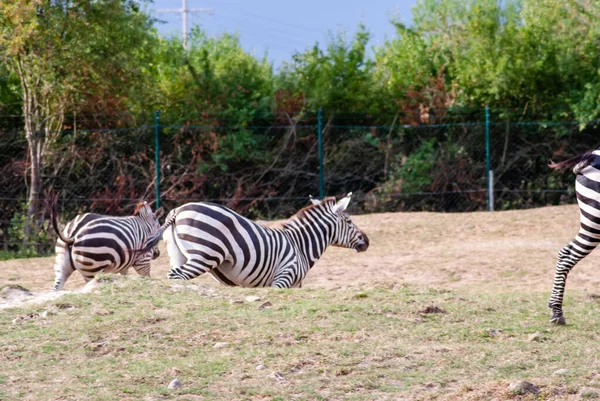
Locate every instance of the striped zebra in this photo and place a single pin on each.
(238, 252)
(94, 243)
(587, 187)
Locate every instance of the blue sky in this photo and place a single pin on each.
(281, 27)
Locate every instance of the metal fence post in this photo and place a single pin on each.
(156, 156)
(321, 170)
(488, 171)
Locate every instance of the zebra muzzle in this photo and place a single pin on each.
(363, 244)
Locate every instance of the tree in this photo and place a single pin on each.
(215, 80)
(337, 79)
(63, 52)
(533, 54)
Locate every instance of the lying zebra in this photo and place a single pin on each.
(238, 252)
(93, 243)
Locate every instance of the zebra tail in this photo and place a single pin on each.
(54, 219)
(154, 238)
(577, 162)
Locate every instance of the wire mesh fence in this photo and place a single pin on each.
(267, 171)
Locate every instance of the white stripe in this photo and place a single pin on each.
(589, 234)
(589, 223)
(589, 209)
(591, 173)
(586, 242)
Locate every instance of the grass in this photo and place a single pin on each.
(442, 306)
(21, 254)
(379, 342)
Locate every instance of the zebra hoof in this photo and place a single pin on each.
(558, 320)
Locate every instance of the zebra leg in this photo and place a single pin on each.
(176, 257)
(63, 267)
(193, 267)
(581, 246)
(186, 262)
(287, 277)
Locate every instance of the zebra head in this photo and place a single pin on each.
(346, 234)
(144, 211)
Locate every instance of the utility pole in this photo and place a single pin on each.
(184, 11)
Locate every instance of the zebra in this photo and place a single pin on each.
(587, 187)
(94, 243)
(207, 237)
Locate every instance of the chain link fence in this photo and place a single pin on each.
(268, 171)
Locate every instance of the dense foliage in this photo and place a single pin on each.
(404, 117)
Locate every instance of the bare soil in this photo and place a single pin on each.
(500, 251)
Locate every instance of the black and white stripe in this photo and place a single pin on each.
(238, 252)
(587, 187)
(93, 243)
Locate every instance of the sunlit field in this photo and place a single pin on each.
(441, 306)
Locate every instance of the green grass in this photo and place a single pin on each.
(21, 254)
(383, 342)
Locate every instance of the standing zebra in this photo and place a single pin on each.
(93, 243)
(587, 186)
(238, 252)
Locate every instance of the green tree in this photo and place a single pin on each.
(64, 52)
(338, 78)
(215, 80)
(534, 54)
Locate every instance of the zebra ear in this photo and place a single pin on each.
(313, 200)
(342, 203)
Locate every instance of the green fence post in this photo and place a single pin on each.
(488, 170)
(156, 156)
(321, 171)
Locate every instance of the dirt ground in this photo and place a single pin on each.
(500, 252)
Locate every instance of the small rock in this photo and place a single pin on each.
(534, 337)
(252, 298)
(221, 345)
(23, 318)
(175, 384)
(277, 376)
(522, 388)
(560, 372)
(265, 305)
(432, 309)
(493, 332)
(260, 367)
(236, 301)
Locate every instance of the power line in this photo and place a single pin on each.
(184, 11)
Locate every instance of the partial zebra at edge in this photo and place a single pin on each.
(587, 187)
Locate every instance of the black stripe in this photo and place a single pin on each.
(221, 277)
(589, 229)
(210, 230)
(583, 246)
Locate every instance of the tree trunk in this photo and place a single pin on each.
(33, 199)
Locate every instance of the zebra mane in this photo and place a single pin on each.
(302, 212)
(138, 208)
